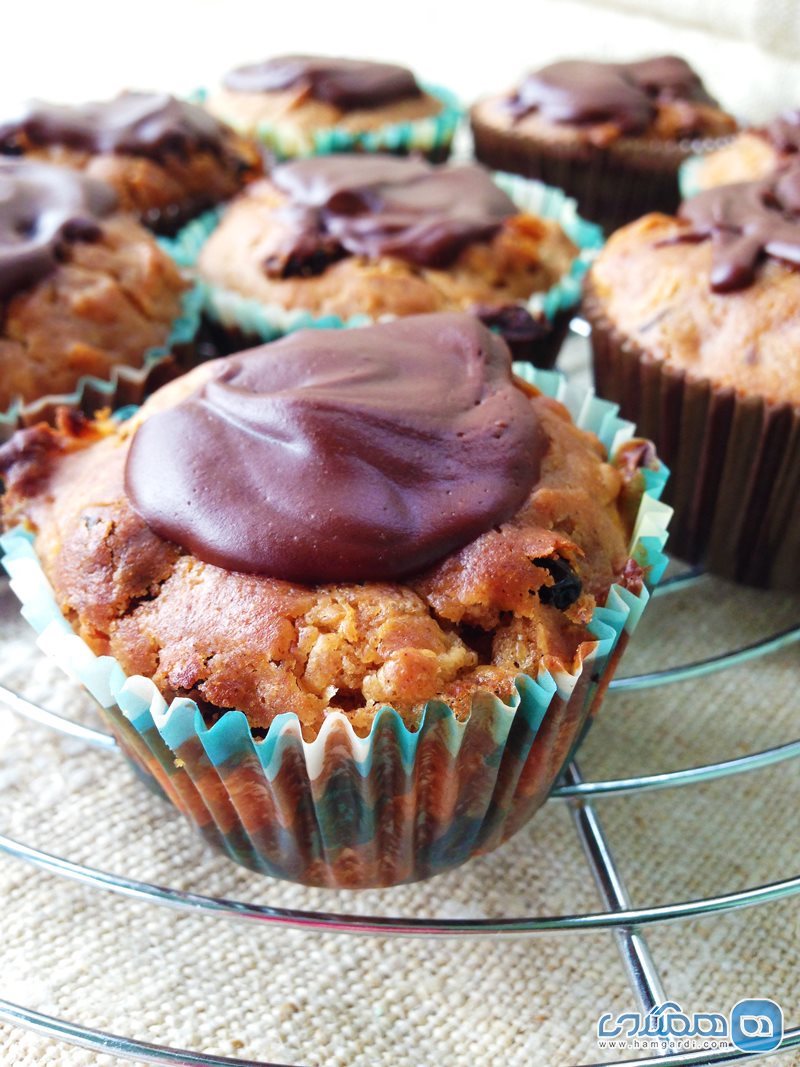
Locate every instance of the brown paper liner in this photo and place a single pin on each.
(216, 339)
(735, 460)
(613, 185)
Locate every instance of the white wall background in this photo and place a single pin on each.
(748, 50)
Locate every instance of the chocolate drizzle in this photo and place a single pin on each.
(585, 92)
(345, 83)
(342, 455)
(44, 208)
(375, 205)
(783, 133)
(138, 124)
(746, 222)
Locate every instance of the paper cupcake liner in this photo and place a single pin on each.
(244, 317)
(431, 137)
(126, 385)
(613, 185)
(735, 460)
(689, 177)
(395, 806)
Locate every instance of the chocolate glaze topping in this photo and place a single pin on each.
(345, 83)
(585, 92)
(746, 222)
(342, 455)
(783, 133)
(375, 205)
(43, 209)
(139, 124)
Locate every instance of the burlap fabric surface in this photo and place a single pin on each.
(238, 989)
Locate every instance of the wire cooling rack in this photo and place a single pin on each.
(625, 921)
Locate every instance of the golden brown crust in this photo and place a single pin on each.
(296, 114)
(473, 621)
(105, 305)
(748, 158)
(659, 295)
(527, 255)
(163, 193)
(666, 129)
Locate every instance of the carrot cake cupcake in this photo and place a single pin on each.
(301, 105)
(84, 290)
(696, 333)
(613, 135)
(167, 159)
(365, 237)
(303, 560)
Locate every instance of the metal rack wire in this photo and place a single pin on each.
(624, 920)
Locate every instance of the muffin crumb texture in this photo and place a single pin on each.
(105, 305)
(655, 288)
(525, 256)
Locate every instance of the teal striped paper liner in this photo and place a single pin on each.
(268, 322)
(397, 805)
(425, 135)
(688, 176)
(184, 330)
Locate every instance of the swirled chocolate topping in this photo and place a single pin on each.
(783, 133)
(746, 222)
(44, 208)
(345, 83)
(585, 92)
(342, 455)
(139, 124)
(375, 205)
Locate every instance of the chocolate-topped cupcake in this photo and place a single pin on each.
(386, 552)
(753, 154)
(365, 237)
(696, 333)
(87, 297)
(613, 135)
(167, 159)
(301, 105)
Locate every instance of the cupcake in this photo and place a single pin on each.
(91, 306)
(344, 240)
(696, 334)
(410, 573)
(613, 135)
(753, 154)
(167, 159)
(306, 105)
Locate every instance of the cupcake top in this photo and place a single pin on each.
(580, 92)
(44, 209)
(388, 516)
(83, 287)
(716, 290)
(134, 123)
(357, 457)
(166, 158)
(753, 154)
(660, 97)
(347, 84)
(379, 235)
(287, 100)
(745, 223)
(381, 206)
